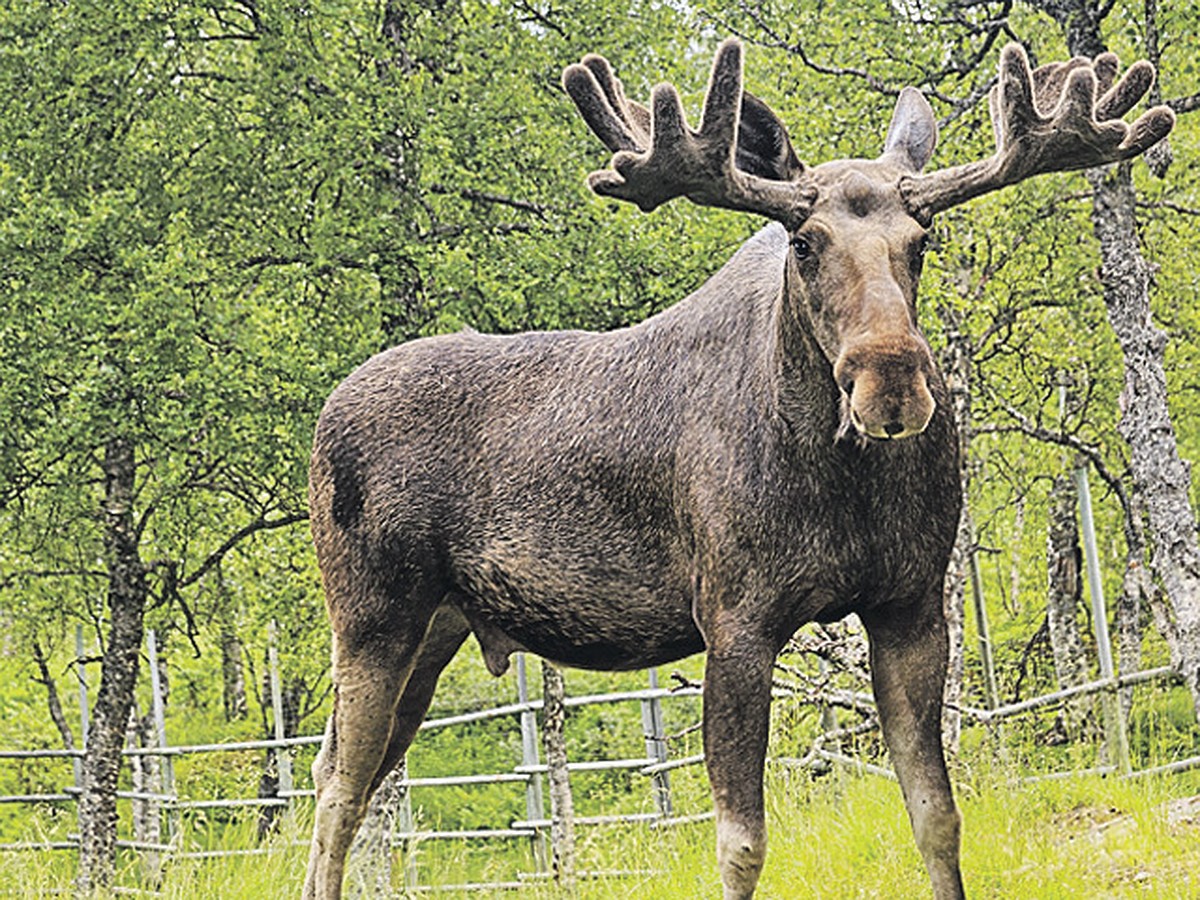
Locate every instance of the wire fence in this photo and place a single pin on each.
(527, 773)
(169, 807)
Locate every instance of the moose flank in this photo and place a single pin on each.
(776, 448)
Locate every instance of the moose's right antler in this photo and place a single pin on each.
(1048, 120)
(657, 157)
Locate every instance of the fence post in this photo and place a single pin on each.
(656, 748)
(562, 806)
(166, 763)
(829, 720)
(535, 808)
(406, 825)
(1115, 736)
(283, 756)
(981, 624)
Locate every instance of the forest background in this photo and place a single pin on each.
(211, 212)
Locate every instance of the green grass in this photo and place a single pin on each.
(842, 836)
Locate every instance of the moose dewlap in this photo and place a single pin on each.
(776, 448)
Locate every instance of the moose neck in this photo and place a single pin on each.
(805, 395)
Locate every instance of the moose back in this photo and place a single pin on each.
(776, 448)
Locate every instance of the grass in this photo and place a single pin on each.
(843, 836)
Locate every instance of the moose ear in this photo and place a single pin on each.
(763, 146)
(913, 133)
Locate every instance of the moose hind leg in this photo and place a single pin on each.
(737, 700)
(369, 678)
(908, 670)
(446, 634)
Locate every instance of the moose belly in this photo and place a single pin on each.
(599, 615)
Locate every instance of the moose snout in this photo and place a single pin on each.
(885, 388)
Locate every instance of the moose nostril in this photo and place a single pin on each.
(893, 428)
(847, 386)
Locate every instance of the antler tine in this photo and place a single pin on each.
(1049, 120)
(620, 123)
(659, 157)
(600, 100)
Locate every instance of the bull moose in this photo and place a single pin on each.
(776, 448)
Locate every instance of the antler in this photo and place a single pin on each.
(1049, 120)
(657, 157)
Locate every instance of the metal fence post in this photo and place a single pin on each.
(656, 748)
(981, 625)
(283, 756)
(535, 808)
(1115, 736)
(406, 825)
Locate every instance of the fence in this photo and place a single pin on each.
(654, 766)
(527, 773)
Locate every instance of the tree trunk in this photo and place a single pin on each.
(956, 362)
(1161, 479)
(127, 592)
(1138, 592)
(562, 806)
(1014, 570)
(1063, 598)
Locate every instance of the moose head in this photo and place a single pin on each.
(858, 227)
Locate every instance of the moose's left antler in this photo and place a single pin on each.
(1062, 116)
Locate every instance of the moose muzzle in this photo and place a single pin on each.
(885, 387)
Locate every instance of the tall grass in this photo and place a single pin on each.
(842, 836)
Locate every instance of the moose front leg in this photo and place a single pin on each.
(908, 669)
(737, 700)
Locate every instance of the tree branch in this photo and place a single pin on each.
(1025, 425)
(260, 524)
(1183, 105)
(477, 196)
(46, 680)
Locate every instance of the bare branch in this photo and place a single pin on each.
(1169, 205)
(476, 196)
(1025, 425)
(1184, 104)
(46, 680)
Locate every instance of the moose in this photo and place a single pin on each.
(775, 449)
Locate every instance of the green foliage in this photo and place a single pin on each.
(210, 214)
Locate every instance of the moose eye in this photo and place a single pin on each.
(801, 247)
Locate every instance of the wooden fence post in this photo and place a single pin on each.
(562, 807)
(283, 755)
